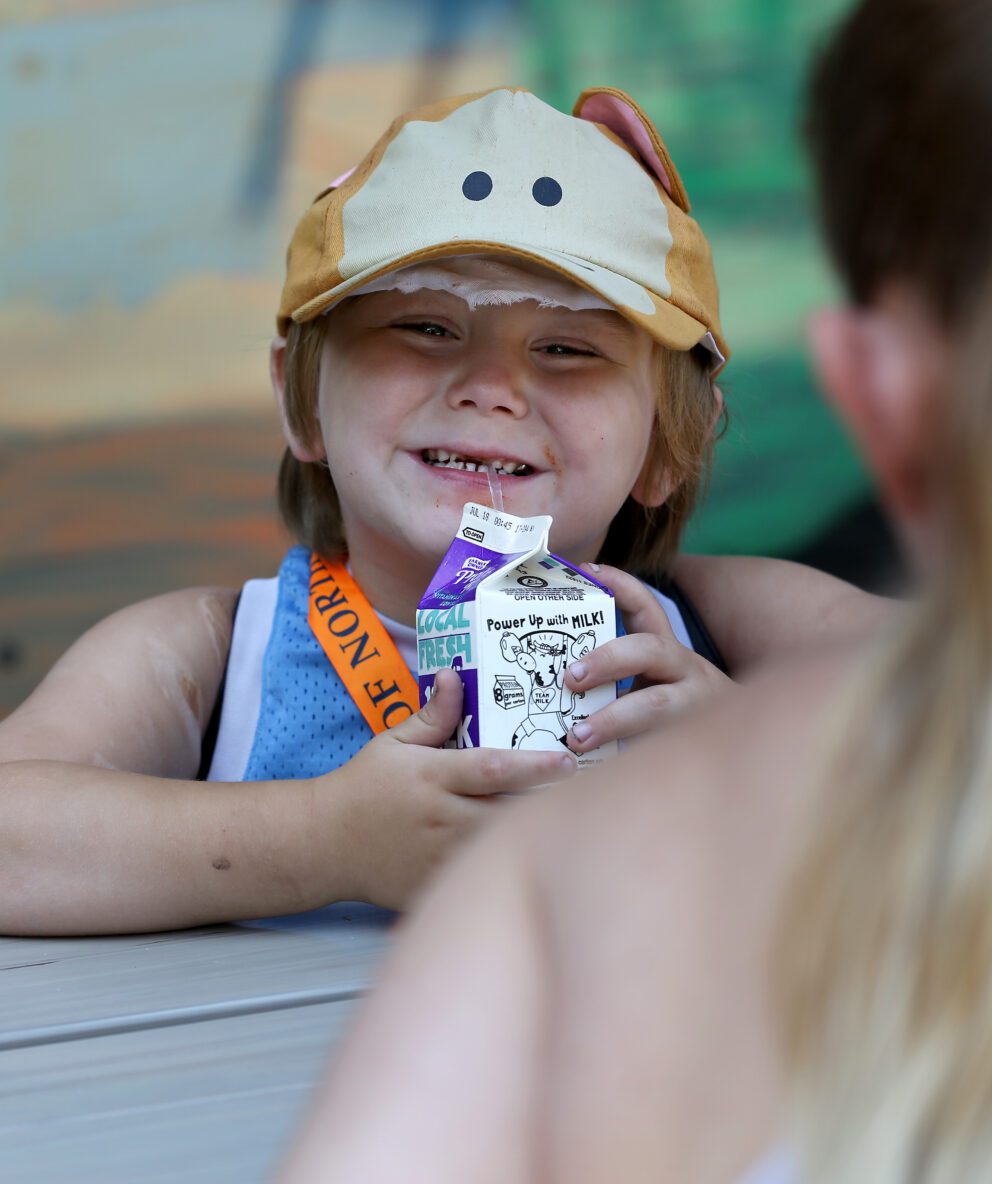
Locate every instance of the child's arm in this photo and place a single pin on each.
(102, 828)
(757, 609)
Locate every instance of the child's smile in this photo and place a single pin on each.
(420, 396)
(441, 458)
(469, 473)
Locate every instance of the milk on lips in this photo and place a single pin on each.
(510, 617)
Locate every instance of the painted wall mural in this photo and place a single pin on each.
(154, 158)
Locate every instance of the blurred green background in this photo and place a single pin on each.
(723, 79)
(155, 157)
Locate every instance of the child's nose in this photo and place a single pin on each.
(492, 388)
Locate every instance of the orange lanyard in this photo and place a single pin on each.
(359, 648)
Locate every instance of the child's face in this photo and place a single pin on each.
(413, 384)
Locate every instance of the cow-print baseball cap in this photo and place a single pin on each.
(593, 196)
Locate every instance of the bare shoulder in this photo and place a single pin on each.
(657, 883)
(758, 609)
(734, 775)
(134, 692)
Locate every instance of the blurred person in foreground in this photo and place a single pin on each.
(761, 947)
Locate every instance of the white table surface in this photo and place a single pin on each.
(174, 1056)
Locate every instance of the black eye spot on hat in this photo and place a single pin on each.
(546, 191)
(477, 186)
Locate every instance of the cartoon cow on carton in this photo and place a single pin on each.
(544, 655)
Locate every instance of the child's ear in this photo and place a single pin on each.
(717, 406)
(877, 367)
(654, 485)
(301, 449)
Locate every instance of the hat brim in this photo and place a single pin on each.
(660, 318)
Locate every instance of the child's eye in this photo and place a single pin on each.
(558, 349)
(426, 328)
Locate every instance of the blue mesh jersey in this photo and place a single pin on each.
(283, 713)
(308, 723)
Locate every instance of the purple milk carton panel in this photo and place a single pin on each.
(510, 617)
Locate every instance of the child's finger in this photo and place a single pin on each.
(643, 710)
(645, 656)
(481, 772)
(631, 715)
(437, 720)
(642, 613)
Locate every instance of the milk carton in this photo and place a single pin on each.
(509, 617)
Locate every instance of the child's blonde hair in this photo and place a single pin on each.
(885, 976)
(640, 539)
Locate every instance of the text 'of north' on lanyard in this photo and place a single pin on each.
(359, 648)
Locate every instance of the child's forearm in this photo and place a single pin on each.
(86, 850)
(760, 610)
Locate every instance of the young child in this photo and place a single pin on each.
(497, 286)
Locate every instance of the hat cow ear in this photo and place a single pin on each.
(335, 184)
(619, 113)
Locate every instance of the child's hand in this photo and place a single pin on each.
(667, 676)
(409, 802)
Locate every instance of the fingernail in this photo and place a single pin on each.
(593, 566)
(577, 670)
(568, 762)
(581, 731)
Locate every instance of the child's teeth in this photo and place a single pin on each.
(449, 460)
